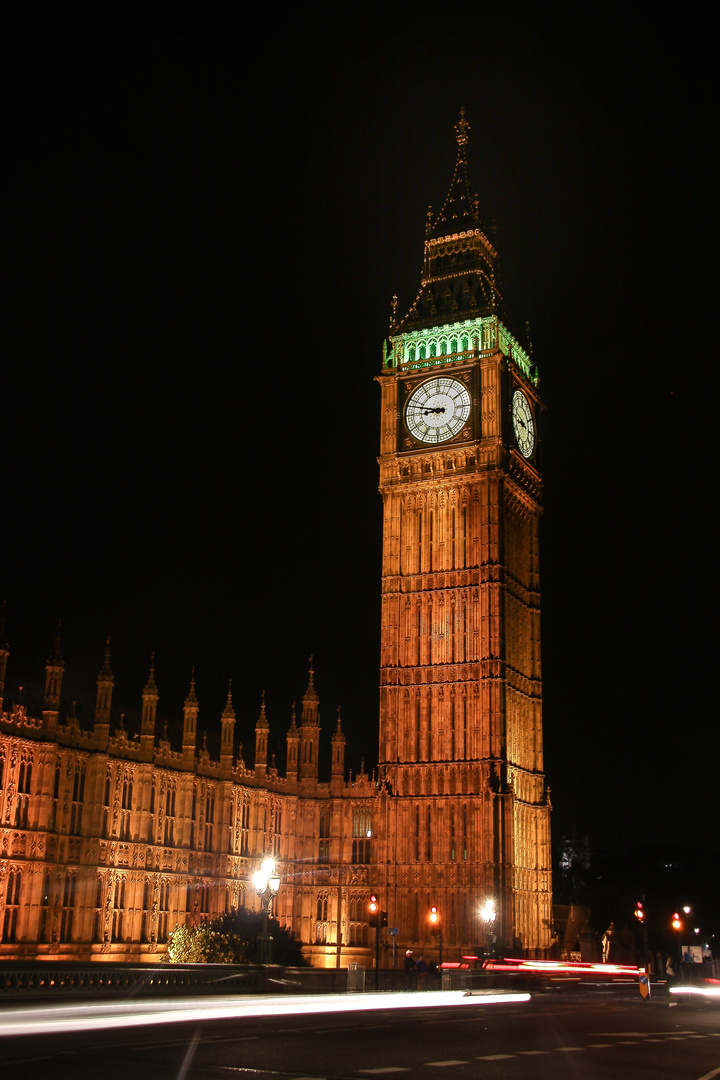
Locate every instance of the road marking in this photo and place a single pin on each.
(386, 1069)
(442, 1064)
(528, 1052)
(599, 1046)
(495, 1057)
(627, 1042)
(568, 1049)
(713, 1072)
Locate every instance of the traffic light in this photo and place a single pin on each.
(676, 921)
(383, 918)
(373, 911)
(639, 912)
(434, 918)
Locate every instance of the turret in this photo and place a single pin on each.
(103, 701)
(54, 670)
(338, 757)
(261, 741)
(293, 748)
(228, 733)
(4, 653)
(310, 729)
(149, 714)
(190, 715)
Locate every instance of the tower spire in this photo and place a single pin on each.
(459, 279)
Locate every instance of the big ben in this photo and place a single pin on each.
(465, 820)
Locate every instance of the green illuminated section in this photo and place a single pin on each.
(454, 342)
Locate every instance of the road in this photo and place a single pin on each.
(591, 1033)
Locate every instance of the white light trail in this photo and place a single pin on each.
(65, 1018)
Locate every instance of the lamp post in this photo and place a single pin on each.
(488, 915)
(267, 883)
(436, 928)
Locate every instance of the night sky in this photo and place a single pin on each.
(208, 221)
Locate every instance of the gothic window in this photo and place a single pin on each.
(23, 793)
(432, 349)
(245, 826)
(163, 910)
(453, 345)
(2, 769)
(78, 797)
(44, 906)
(98, 928)
(277, 831)
(192, 818)
(209, 821)
(411, 354)
(421, 352)
(118, 903)
(204, 896)
(146, 913)
(68, 905)
(362, 832)
(464, 344)
(322, 909)
(429, 834)
(168, 838)
(417, 834)
(324, 853)
(452, 833)
(152, 799)
(12, 905)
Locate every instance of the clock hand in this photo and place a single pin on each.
(440, 409)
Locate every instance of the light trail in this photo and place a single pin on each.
(67, 1018)
(702, 991)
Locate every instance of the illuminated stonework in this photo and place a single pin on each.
(466, 814)
(109, 838)
(111, 832)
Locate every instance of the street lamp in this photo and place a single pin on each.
(436, 928)
(488, 914)
(267, 883)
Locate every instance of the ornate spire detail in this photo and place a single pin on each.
(262, 719)
(56, 659)
(459, 278)
(229, 712)
(106, 674)
(293, 729)
(151, 688)
(461, 129)
(192, 697)
(311, 693)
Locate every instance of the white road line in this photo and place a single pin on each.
(386, 1069)
(568, 1049)
(529, 1052)
(600, 1046)
(495, 1057)
(712, 1073)
(442, 1064)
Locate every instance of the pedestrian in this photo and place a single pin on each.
(409, 969)
(422, 969)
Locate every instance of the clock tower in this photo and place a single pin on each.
(466, 815)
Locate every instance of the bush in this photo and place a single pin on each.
(233, 939)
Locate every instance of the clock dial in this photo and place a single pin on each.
(523, 424)
(437, 409)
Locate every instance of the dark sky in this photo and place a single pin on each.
(209, 218)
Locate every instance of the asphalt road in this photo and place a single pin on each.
(598, 1034)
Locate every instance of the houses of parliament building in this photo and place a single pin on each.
(109, 838)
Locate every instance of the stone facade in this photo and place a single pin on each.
(108, 839)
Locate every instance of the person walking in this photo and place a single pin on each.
(422, 969)
(409, 969)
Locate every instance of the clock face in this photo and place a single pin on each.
(437, 409)
(523, 424)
